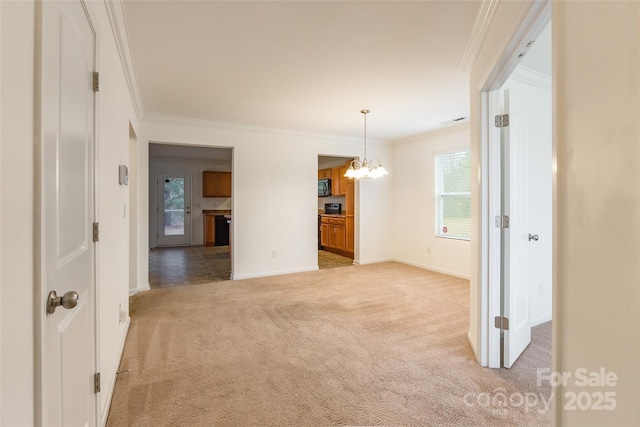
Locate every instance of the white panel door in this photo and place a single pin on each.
(174, 209)
(67, 126)
(515, 247)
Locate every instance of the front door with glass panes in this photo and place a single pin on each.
(174, 209)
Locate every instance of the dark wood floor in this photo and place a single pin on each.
(192, 265)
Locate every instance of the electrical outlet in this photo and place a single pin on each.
(429, 250)
(540, 288)
(274, 254)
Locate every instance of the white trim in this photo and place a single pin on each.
(532, 77)
(430, 268)
(210, 124)
(112, 385)
(274, 273)
(532, 22)
(540, 321)
(373, 261)
(118, 21)
(133, 292)
(478, 33)
(472, 344)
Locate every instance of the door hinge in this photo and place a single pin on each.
(96, 383)
(96, 82)
(502, 120)
(502, 221)
(501, 323)
(96, 231)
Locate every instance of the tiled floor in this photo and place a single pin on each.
(169, 267)
(191, 265)
(331, 260)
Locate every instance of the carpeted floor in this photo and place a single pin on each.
(382, 344)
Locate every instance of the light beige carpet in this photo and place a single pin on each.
(383, 344)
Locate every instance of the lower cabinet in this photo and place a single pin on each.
(334, 234)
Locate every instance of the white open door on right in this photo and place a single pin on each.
(515, 236)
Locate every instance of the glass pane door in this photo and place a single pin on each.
(174, 209)
(174, 206)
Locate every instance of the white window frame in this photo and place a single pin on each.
(439, 195)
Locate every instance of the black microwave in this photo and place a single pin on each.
(324, 187)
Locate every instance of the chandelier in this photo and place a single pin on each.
(365, 168)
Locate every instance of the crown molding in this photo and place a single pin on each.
(478, 33)
(532, 77)
(213, 125)
(118, 21)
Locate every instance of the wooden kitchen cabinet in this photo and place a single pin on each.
(209, 229)
(335, 181)
(324, 174)
(350, 216)
(324, 234)
(333, 234)
(216, 184)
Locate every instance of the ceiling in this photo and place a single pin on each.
(309, 66)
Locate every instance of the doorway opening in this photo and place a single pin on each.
(518, 108)
(190, 200)
(336, 213)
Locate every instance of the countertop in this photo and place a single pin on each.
(340, 215)
(216, 212)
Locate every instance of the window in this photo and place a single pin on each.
(453, 195)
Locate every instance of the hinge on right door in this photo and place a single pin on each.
(96, 82)
(501, 323)
(502, 221)
(96, 383)
(502, 120)
(96, 231)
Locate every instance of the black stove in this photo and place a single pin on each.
(333, 208)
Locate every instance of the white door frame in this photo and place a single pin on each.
(533, 23)
(40, 316)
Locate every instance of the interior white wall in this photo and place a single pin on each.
(194, 167)
(115, 113)
(596, 53)
(414, 203)
(534, 103)
(17, 31)
(275, 194)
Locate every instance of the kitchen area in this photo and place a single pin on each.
(336, 213)
(190, 199)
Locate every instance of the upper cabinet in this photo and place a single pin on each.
(324, 174)
(216, 184)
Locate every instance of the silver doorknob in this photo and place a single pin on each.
(533, 237)
(68, 301)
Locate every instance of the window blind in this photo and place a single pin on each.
(453, 194)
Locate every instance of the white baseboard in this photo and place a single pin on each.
(430, 268)
(540, 321)
(274, 273)
(132, 292)
(112, 384)
(372, 261)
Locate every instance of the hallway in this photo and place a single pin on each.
(188, 265)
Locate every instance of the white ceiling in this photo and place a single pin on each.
(304, 65)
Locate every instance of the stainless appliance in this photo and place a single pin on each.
(324, 187)
(333, 208)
